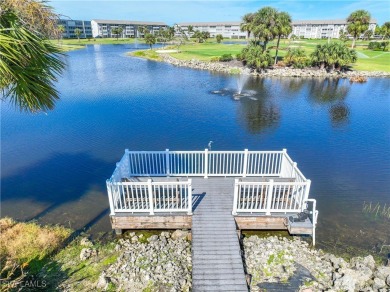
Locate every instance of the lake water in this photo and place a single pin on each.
(54, 165)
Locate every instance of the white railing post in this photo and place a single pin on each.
(150, 192)
(206, 162)
(269, 197)
(293, 169)
(167, 170)
(283, 164)
(110, 198)
(235, 197)
(306, 195)
(245, 164)
(189, 197)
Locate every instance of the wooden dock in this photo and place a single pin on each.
(217, 262)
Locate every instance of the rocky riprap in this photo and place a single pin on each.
(275, 260)
(160, 263)
(275, 72)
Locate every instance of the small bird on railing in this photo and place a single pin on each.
(209, 145)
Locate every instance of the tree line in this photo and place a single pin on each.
(268, 24)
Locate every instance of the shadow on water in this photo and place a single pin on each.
(60, 179)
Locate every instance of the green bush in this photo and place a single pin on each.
(214, 59)
(333, 56)
(378, 46)
(296, 58)
(256, 57)
(226, 58)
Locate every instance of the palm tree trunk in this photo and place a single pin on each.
(353, 43)
(277, 49)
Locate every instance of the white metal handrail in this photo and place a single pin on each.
(206, 163)
(150, 196)
(269, 197)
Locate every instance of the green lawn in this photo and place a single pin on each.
(74, 44)
(367, 60)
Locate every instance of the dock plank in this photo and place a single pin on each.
(217, 262)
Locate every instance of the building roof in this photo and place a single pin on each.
(325, 21)
(128, 22)
(210, 23)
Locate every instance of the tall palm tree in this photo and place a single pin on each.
(77, 32)
(283, 28)
(190, 30)
(264, 24)
(358, 22)
(29, 63)
(61, 30)
(246, 24)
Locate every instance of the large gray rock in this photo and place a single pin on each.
(382, 273)
(378, 284)
(103, 282)
(179, 234)
(360, 263)
(87, 253)
(345, 283)
(86, 242)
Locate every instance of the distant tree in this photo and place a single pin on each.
(357, 23)
(143, 30)
(61, 30)
(264, 25)
(77, 32)
(219, 38)
(205, 35)
(190, 30)
(117, 31)
(198, 35)
(378, 30)
(282, 28)
(385, 30)
(150, 40)
(333, 56)
(180, 36)
(343, 36)
(247, 23)
(166, 35)
(368, 34)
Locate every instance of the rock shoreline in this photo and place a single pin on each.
(275, 72)
(272, 262)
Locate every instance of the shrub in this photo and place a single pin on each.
(219, 38)
(281, 64)
(256, 57)
(214, 59)
(333, 56)
(296, 58)
(378, 46)
(226, 58)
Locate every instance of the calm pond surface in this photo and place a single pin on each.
(54, 165)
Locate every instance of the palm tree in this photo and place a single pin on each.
(77, 32)
(264, 25)
(190, 30)
(150, 39)
(29, 63)
(358, 22)
(385, 30)
(117, 31)
(246, 24)
(283, 28)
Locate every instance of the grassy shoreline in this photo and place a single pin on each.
(368, 60)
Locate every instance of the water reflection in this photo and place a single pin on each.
(328, 90)
(339, 114)
(260, 114)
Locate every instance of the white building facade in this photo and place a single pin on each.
(70, 25)
(130, 29)
(228, 29)
(319, 29)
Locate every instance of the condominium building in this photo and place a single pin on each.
(228, 29)
(130, 28)
(70, 25)
(318, 29)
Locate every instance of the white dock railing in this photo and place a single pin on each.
(205, 163)
(270, 196)
(150, 197)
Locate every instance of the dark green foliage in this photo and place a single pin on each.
(256, 57)
(226, 58)
(333, 56)
(296, 58)
(219, 38)
(150, 39)
(376, 46)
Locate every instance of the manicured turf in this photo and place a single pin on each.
(367, 60)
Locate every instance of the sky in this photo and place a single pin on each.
(172, 12)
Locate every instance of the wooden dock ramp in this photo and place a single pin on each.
(217, 262)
